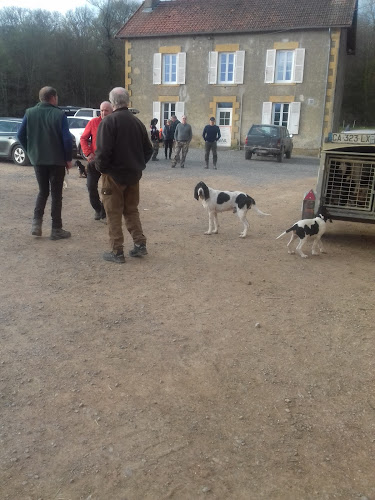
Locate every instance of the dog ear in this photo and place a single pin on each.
(196, 191)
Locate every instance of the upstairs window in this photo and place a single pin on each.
(226, 67)
(284, 66)
(169, 69)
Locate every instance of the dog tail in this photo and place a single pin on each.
(282, 234)
(259, 211)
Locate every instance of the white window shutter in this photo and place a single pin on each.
(157, 69)
(299, 62)
(239, 65)
(181, 67)
(293, 119)
(180, 110)
(269, 74)
(212, 68)
(267, 113)
(156, 111)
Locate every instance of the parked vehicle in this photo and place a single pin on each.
(92, 113)
(87, 112)
(10, 147)
(77, 125)
(346, 178)
(268, 140)
(69, 110)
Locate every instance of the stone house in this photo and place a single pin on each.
(242, 61)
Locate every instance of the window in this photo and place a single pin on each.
(280, 113)
(284, 66)
(226, 67)
(169, 69)
(163, 110)
(167, 110)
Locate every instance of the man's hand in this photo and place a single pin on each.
(69, 165)
(91, 157)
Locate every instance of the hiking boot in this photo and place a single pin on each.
(117, 257)
(206, 166)
(36, 228)
(138, 250)
(98, 214)
(215, 167)
(59, 234)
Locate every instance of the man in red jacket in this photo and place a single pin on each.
(88, 145)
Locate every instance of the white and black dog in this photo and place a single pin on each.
(221, 201)
(315, 228)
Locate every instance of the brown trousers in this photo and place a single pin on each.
(118, 201)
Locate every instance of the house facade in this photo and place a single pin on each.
(239, 63)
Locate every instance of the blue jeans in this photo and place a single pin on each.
(50, 178)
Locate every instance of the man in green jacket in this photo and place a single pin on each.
(44, 133)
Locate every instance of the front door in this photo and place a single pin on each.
(224, 121)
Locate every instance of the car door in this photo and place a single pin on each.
(8, 132)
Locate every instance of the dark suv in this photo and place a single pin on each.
(267, 140)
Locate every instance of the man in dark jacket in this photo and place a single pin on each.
(123, 149)
(211, 134)
(44, 133)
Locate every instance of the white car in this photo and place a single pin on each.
(77, 125)
(88, 112)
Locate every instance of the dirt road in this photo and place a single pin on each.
(216, 367)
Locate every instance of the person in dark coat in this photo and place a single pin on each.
(122, 150)
(168, 135)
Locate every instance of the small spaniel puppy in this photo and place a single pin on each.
(221, 201)
(315, 228)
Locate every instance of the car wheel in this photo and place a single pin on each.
(19, 156)
(280, 156)
(248, 155)
(288, 154)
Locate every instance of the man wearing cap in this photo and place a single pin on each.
(211, 134)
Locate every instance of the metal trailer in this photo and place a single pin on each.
(346, 179)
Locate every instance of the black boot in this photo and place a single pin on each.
(59, 234)
(36, 228)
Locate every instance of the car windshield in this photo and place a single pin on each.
(264, 130)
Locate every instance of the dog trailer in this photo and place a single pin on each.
(346, 178)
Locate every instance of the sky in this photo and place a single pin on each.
(60, 6)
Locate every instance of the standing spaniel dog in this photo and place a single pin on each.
(315, 228)
(221, 201)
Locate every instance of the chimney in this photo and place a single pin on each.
(149, 5)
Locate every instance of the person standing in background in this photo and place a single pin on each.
(182, 136)
(168, 138)
(211, 134)
(88, 145)
(154, 139)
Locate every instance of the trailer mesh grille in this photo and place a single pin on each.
(350, 183)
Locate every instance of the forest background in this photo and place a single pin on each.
(78, 54)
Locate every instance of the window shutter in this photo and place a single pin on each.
(181, 67)
(239, 65)
(156, 111)
(269, 75)
(157, 69)
(212, 68)
(267, 113)
(293, 119)
(299, 61)
(180, 110)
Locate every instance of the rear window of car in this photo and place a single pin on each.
(264, 130)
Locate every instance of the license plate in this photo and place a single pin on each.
(354, 138)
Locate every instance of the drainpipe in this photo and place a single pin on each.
(240, 127)
(325, 93)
